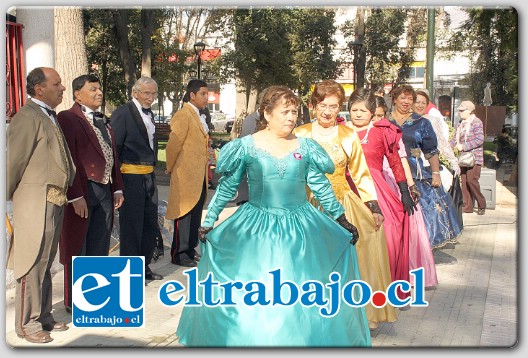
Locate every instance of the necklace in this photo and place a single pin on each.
(325, 133)
(400, 119)
(365, 138)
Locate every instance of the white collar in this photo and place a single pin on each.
(40, 103)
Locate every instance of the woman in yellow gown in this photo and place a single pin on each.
(344, 147)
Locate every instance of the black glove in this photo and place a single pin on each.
(373, 207)
(408, 203)
(202, 231)
(349, 227)
(415, 193)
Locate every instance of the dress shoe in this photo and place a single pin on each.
(152, 276)
(68, 309)
(55, 326)
(38, 337)
(197, 257)
(186, 262)
(481, 211)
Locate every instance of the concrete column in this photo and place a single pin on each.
(38, 35)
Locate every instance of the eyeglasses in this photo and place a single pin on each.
(323, 107)
(149, 94)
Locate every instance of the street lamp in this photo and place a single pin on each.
(456, 91)
(198, 49)
(356, 48)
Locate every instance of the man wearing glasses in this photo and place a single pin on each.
(137, 148)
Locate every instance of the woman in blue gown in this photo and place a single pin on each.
(277, 228)
(439, 212)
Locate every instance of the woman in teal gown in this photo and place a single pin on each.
(277, 228)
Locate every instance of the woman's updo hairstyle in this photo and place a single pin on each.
(273, 97)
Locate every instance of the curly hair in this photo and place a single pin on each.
(274, 96)
(325, 89)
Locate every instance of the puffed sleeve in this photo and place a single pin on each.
(429, 140)
(321, 163)
(231, 164)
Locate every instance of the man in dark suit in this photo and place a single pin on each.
(137, 148)
(97, 188)
(39, 171)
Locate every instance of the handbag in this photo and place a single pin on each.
(466, 159)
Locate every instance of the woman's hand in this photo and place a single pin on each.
(349, 227)
(378, 220)
(436, 182)
(202, 231)
(376, 213)
(415, 193)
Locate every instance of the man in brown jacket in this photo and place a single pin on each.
(187, 164)
(39, 171)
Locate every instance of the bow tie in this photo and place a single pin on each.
(100, 121)
(51, 112)
(98, 116)
(147, 111)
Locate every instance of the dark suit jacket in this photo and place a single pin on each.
(90, 163)
(132, 142)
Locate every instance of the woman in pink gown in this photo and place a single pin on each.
(380, 140)
(415, 237)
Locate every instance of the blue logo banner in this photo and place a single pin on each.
(108, 291)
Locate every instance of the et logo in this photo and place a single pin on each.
(108, 291)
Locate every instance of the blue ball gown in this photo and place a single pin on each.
(439, 212)
(277, 228)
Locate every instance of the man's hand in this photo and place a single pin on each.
(118, 200)
(80, 208)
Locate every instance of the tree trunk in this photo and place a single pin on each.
(252, 101)
(241, 108)
(147, 28)
(121, 32)
(70, 51)
(360, 16)
(104, 81)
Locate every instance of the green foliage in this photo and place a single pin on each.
(175, 31)
(103, 54)
(311, 44)
(383, 30)
(490, 35)
(288, 46)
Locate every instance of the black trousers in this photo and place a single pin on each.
(185, 237)
(138, 216)
(97, 240)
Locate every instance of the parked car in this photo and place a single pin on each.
(345, 115)
(161, 119)
(218, 120)
(229, 125)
